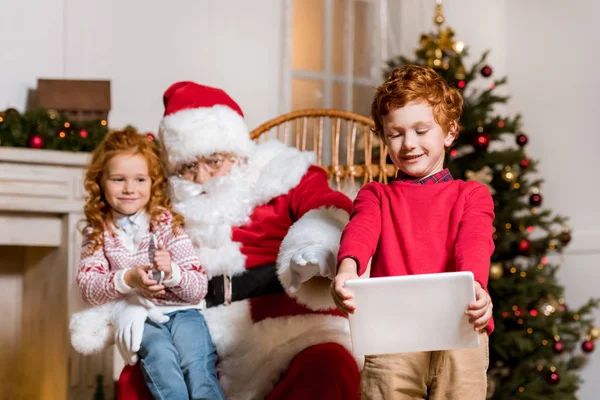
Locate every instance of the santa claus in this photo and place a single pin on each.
(267, 227)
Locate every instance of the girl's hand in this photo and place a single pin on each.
(342, 297)
(162, 261)
(138, 279)
(480, 311)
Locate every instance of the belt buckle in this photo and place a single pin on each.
(227, 290)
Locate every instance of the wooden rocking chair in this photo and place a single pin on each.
(356, 155)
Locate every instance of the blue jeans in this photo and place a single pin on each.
(178, 358)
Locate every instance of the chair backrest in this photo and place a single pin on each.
(356, 155)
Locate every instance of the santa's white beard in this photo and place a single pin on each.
(210, 210)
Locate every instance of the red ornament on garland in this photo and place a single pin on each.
(461, 84)
(482, 140)
(486, 71)
(559, 347)
(553, 378)
(36, 142)
(522, 139)
(525, 163)
(83, 133)
(524, 246)
(535, 200)
(587, 346)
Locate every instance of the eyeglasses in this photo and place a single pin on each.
(211, 164)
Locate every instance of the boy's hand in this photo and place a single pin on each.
(480, 311)
(138, 279)
(342, 297)
(162, 260)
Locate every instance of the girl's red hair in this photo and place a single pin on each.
(97, 210)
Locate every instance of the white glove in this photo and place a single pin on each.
(315, 260)
(128, 318)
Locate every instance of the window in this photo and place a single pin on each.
(334, 54)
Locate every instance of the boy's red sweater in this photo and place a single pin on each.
(418, 229)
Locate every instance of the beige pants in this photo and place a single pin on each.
(437, 375)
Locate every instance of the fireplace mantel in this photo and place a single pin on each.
(41, 204)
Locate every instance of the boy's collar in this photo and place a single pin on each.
(441, 176)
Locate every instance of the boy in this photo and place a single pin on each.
(422, 222)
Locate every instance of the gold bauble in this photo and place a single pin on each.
(508, 174)
(594, 333)
(496, 271)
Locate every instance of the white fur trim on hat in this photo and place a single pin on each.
(199, 132)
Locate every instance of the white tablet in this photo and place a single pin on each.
(401, 314)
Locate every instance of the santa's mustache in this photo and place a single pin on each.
(182, 189)
(222, 199)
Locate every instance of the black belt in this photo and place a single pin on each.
(254, 282)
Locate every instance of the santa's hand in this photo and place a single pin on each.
(315, 260)
(128, 320)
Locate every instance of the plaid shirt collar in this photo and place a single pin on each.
(442, 176)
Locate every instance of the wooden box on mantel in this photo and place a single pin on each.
(79, 100)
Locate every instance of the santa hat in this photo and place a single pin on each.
(199, 121)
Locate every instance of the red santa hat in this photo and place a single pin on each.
(201, 120)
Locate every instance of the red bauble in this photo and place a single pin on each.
(36, 142)
(150, 137)
(563, 307)
(535, 200)
(588, 346)
(558, 347)
(83, 133)
(553, 378)
(482, 140)
(486, 71)
(524, 246)
(461, 84)
(522, 139)
(525, 163)
(565, 237)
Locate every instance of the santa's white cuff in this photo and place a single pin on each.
(120, 284)
(322, 226)
(175, 276)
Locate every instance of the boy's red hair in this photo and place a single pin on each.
(420, 84)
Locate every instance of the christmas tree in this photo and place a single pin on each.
(539, 343)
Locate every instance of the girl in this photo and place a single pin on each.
(131, 231)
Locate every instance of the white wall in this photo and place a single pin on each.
(552, 59)
(143, 46)
(549, 51)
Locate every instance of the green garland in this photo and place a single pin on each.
(47, 129)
